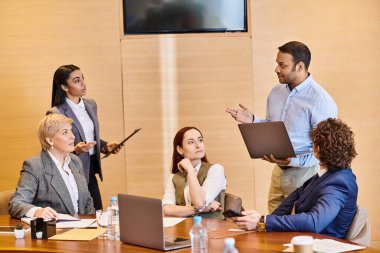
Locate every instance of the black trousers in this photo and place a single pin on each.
(93, 186)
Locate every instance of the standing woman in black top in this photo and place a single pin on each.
(69, 87)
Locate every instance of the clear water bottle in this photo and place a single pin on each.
(198, 236)
(229, 246)
(113, 229)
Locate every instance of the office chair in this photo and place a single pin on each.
(232, 202)
(360, 230)
(5, 196)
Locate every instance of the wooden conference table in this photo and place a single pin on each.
(249, 242)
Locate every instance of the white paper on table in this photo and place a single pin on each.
(170, 221)
(83, 223)
(328, 245)
(66, 217)
(61, 217)
(26, 220)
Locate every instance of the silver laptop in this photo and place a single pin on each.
(267, 138)
(141, 223)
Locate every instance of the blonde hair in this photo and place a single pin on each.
(49, 126)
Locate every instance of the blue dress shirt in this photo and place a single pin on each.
(301, 109)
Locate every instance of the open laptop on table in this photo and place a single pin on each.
(267, 138)
(141, 223)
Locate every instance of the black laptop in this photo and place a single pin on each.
(267, 138)
(141, 223)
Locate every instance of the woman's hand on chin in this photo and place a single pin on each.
(185, 165)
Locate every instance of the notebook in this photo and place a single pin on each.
(267, 138)
(141, 223)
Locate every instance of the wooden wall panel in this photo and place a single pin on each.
(344, 40)
(176, 81)
(161, 83)
(36, 38)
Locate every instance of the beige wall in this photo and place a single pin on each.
(176, 81)
(162, 83)
(36, 38)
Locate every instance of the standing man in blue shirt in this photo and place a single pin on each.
(301, 103)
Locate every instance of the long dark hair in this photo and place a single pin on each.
(178, 139)
(61, 76)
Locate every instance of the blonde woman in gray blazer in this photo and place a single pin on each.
(69, 87)
(52, 182)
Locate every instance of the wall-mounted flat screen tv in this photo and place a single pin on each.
(184, 16)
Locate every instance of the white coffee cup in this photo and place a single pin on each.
(303, 244)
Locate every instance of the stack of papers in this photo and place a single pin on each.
(68, 221)
(83, 223)
(328, 245)
(66, 217)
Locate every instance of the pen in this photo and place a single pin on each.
(90, 225)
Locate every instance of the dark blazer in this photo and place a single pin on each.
(324, 205)
(78, 132)
(42, 185)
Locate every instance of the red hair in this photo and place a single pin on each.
(178, 139)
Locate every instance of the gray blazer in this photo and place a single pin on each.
(42, 185)
(78, 132)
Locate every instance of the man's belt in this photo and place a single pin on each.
(285, 167)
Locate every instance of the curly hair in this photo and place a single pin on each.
(335, 142)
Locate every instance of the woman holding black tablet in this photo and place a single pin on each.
(69, 87)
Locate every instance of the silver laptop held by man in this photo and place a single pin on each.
(141, 223)
(267, 138)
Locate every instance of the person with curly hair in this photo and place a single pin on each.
(324, 204)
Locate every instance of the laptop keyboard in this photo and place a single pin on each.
(177, 242)
(171, 244)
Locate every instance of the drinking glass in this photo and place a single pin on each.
(101, 219)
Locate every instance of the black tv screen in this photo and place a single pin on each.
(184, 16)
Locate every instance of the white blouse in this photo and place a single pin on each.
(214, 183)
(84, 120)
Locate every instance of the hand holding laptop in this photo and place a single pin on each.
(280, 162)
(260, 141)
(268, 140)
